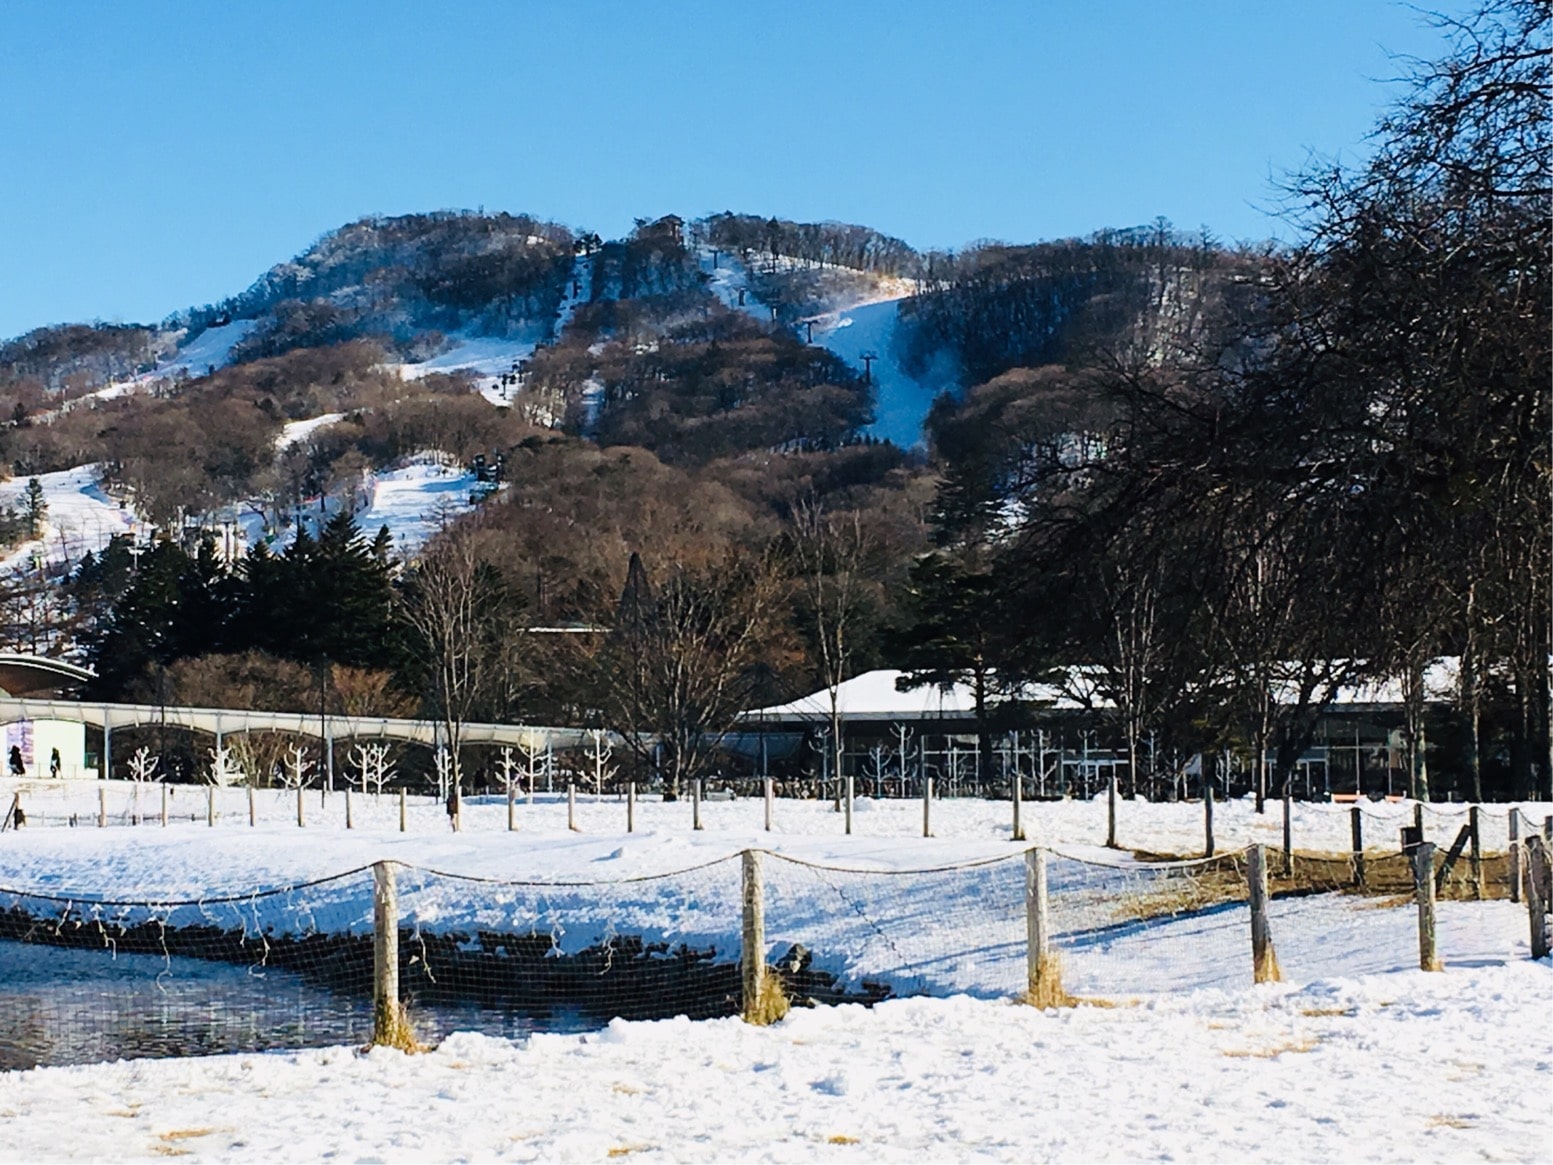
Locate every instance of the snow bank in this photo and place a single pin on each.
(1397, 1067)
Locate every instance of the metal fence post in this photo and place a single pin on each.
(770, 802)
(695, 804)
(1207, 816)
(927, 806)
(849, 805)
(630, 806)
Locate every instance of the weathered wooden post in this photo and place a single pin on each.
(164, 805)
(1356, 817)
(850, 780)
(1264, 959)
(1423, 890)
(927, 806)
(1537, 890)
(571, 806)
(210, 805)
(762, 1003)
(630, 806)
(1288, 831)
(403, 807)
(695, 803)
(102, 807)
(1207, 815)
(512, 804)
(390, 1027)
(1475, 854)
(770, 794)
(253, 812)
(1042, 973)
(1110, 811)
(349, 820)
(300, 822)
(1016, 795)
(1418, 819)
(1515, 854)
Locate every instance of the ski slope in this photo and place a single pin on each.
(81, 517)
(860, 322)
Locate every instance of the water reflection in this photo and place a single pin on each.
(63, 1006)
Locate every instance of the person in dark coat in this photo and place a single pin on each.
(17, 767)
(55, 764)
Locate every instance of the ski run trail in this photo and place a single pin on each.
(1357, 1056)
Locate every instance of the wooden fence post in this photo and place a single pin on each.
(1537, 890)
(1110, 811)
(1042, 973)
(253, 812)
(1288, 831)
(164, 805)
(1515, 854)
(349, 821)
(1016, 796)
(512, 802)
(210, 805)
(300, 822)
(571, 806)
(630, 806)
(1264, 959)
(770, 792)
(849, 804)
(1475, 854)
(1207, 817)
(1423, 889)
(402, 808)
(761, 1005)
(1356, 820)
(695, 804)
(1418, 819)
(102, 807)
(389, 1024)
(927, 806)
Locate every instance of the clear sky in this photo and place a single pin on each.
(157, 155)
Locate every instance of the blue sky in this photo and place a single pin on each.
(157, 155)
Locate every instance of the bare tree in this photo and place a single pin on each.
(829, 555)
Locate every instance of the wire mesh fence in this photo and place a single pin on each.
(85, 976)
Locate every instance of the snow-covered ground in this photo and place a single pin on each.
(1355, 1057)
(963, 828)
(212, 348)
(1395, 1067)
(295, 432)
(414, 502)
(81, 517)
(486, 358)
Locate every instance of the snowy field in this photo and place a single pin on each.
(1355, 1057)
(1394, 1067)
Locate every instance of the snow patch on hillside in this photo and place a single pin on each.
(415, 502)
(296, 432)
(902, 400)
(81, 517)
(728, 280)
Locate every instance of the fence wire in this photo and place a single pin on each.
(84, 977)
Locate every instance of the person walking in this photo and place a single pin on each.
(55, 764)
(17, 766)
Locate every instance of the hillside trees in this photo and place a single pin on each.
(1353, 477)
